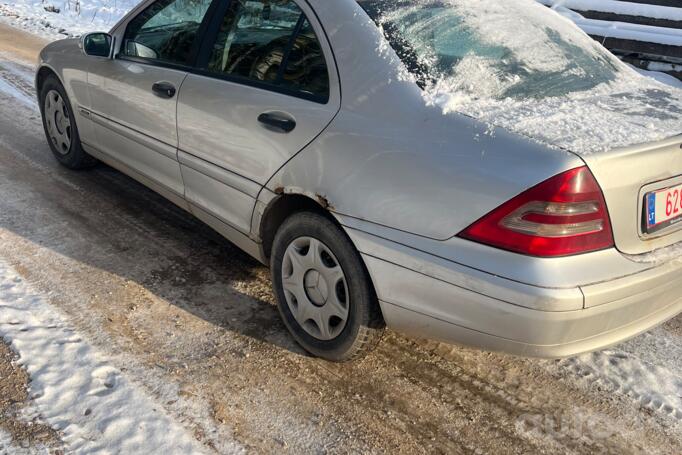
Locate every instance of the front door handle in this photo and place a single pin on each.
(164, 89)
(277, 122)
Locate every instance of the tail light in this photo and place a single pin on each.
(562, 216)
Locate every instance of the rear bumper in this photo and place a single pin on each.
(428, 297)
(423, 306)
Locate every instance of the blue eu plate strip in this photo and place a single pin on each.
(651, 207)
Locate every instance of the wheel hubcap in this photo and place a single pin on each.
(58, 122)
(315, 288)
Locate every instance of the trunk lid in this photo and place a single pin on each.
(626, 176)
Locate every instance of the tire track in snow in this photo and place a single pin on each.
(16, 82)
(633, 372)
(567, 428)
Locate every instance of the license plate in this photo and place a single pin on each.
(663, 208)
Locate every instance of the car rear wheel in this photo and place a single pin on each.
(60, 126)
(324, 293)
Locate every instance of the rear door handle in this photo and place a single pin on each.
(164, 89)
(277, 122)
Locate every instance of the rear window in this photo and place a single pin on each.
(492, 49)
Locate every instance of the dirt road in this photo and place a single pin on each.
(190, 318)
(19, 44)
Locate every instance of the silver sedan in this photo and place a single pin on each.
(476, 172)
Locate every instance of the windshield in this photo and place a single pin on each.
(492, 49)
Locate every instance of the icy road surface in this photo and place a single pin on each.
(169, 312)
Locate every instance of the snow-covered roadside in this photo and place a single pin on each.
(57, 19)
(75, 389)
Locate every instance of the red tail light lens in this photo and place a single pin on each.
(562, 216)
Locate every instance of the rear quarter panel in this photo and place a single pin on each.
(391, 158)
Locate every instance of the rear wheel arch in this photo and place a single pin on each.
(286, 205)
(281, 208)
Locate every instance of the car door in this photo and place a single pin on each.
(134, 95)
(265, 88)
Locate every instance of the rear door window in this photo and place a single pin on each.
(271, 44)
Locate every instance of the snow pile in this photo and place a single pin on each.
(521, 66)
(52, 18)
(75, 389)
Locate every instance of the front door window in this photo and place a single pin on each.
(166, 31)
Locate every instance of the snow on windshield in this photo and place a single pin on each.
(518, 65)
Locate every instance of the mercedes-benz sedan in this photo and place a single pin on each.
(477, 172)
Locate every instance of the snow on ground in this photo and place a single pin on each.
(75, 389)
(62, 18)
(648, 369)
(6, 443)
(8, 446)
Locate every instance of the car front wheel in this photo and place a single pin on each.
(324, 293)
(60, 126)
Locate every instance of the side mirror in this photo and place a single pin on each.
(97, 44)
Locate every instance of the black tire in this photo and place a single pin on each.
(365, 325)
(75, 157)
